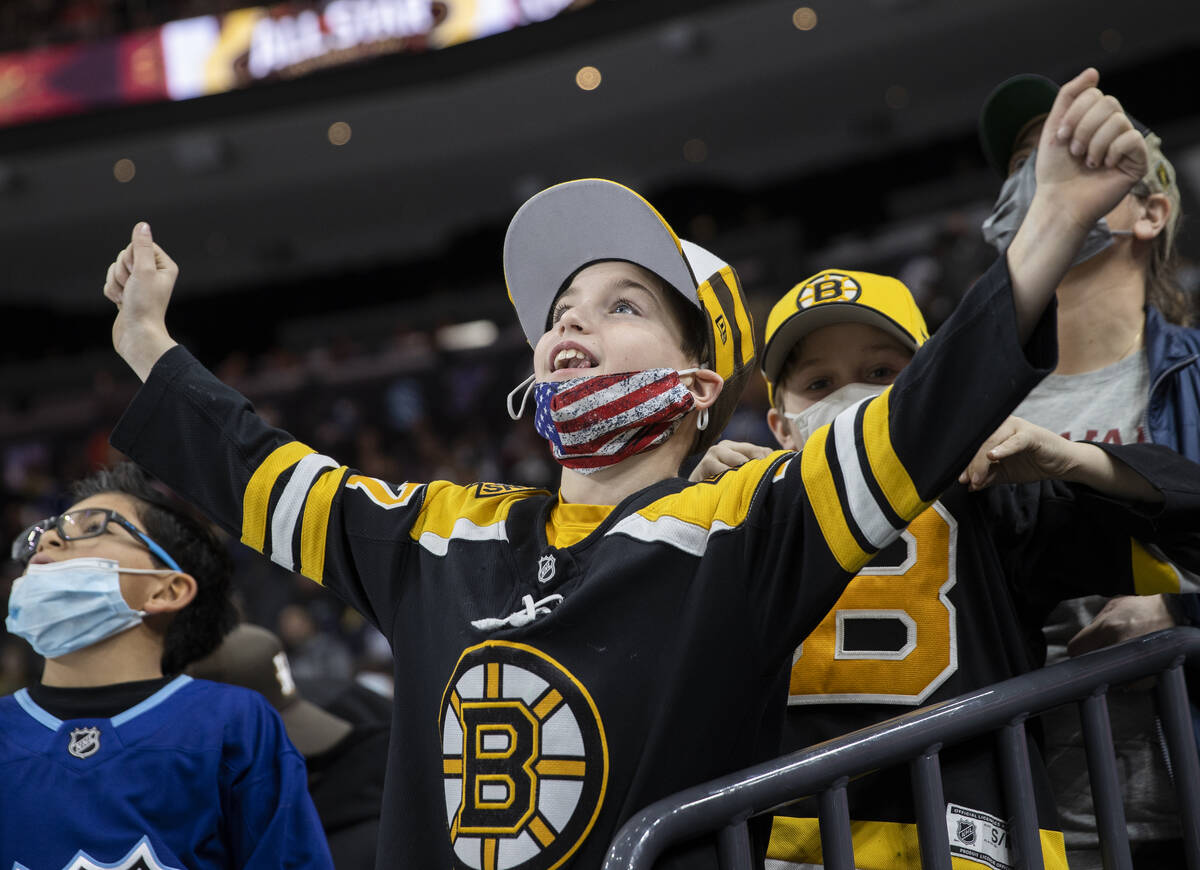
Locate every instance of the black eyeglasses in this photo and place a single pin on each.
(78, 525)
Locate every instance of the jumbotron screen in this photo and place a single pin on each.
(213, 54)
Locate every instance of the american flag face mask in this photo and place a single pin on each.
(594, 422)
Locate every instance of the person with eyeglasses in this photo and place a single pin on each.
(115, 758)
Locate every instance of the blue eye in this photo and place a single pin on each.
(624, 306)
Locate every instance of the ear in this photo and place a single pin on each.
(781, 429)
(705, 385)
(171, 594)
(1155, 212)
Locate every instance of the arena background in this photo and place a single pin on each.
(339, 225)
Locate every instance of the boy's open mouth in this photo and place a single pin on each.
(571, 356)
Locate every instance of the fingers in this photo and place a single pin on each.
(112, 290)
(1097, 128)
(1091, 637)
(123, 266)
(1057, 121)
(143, 251)
(1081, 118)
(1128, 153)
(978, 471)
(163, 263)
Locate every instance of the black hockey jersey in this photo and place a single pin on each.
(980, 573)
(544, 695)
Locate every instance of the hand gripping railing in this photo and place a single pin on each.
(723, 805)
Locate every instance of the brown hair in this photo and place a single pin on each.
(1162, 272)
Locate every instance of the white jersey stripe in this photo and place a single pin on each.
(860, 501)
(463, 530)
(685, 536)
(291, 503)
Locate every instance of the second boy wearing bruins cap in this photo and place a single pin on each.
(952, 606)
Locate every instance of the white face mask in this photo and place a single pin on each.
(806, 422)
(61, 607)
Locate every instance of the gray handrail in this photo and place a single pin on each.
(723, 805)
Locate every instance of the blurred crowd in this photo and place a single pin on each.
(406, 406)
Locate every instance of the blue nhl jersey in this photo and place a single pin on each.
(199, 775)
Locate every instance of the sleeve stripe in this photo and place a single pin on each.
(893, 519)
(256, 500)
(823, 498)
(889, 471)
(876, 530)
(287, 509)
(315, 526)
(838, 473)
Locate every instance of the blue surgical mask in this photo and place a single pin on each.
(1013, 204)
(61, 607)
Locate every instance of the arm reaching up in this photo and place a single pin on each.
(1088, 158)
(139, 282)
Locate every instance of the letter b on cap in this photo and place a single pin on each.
(828, 287)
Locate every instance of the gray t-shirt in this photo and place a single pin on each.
(1108, 406)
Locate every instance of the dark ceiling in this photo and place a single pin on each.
(245, 188)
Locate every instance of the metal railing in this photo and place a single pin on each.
(724, 805)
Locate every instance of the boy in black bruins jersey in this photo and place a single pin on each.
(557, 657)
(957, 603)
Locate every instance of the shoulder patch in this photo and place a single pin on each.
(483, 490)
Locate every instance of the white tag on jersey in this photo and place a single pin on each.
(978, 836)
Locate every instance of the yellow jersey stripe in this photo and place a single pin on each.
(1151, 575)
(257, 497)
(822, 495)
(314, 528)
(889, 472)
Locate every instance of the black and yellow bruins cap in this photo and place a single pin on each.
(569, 226)
(837, 296)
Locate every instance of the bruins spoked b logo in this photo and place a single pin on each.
(524, 758)
(828, 287)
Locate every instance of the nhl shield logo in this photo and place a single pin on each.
(966, 831)
(85, 742)
(546, 567)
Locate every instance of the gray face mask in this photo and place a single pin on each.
(1013, 204)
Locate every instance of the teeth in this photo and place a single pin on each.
(565, 357)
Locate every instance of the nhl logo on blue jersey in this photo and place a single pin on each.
(85, 742)
(524, 759)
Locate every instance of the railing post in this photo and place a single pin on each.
(930, 803)
(1106, 787)
(1018, 791)
(1181, 744)
(837, 846)
(733, 848)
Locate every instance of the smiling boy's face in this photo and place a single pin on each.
(613, 317)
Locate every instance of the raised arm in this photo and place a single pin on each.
(1089, 156)
(140, 282)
